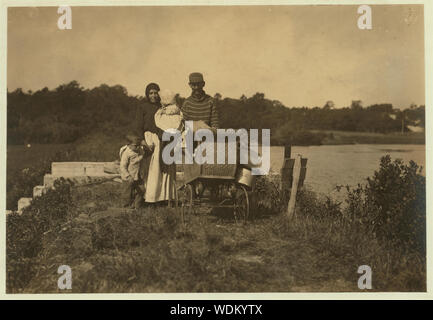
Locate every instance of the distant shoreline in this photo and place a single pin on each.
(333, 137)
(327, 137)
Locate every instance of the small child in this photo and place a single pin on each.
(131, 156)
(169, 117)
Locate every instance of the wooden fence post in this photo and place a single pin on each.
(286, 170)
(287, 151)
(294, 191)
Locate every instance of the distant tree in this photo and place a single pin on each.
(328, 105)
(18, 91)
(277, 103)
(416, 115)
(383, 107)
(70, 112)
(356, 105)
(258, 96)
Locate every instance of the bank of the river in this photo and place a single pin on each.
(330, 166)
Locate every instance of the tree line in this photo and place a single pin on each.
(70, 112)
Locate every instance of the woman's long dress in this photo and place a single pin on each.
(160, 183)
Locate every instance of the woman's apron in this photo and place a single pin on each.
(160, 185)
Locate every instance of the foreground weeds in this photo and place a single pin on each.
(151, 250)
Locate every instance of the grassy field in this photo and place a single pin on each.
(150, 250)
(20, 157)
(352, 137)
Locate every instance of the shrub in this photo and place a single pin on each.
(25, 232)
(21, 183)
(270, 198)
(383, 226)
(393, 203)
(390, 206)
(318, 209)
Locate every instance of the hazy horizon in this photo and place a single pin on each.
(299, 55)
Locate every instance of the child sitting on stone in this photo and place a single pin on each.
(131, 156)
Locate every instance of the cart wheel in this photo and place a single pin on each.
(186, 199)
(241, 205)
(252, 197)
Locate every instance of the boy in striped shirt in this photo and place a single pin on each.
(200, 106)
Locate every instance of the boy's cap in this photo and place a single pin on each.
(196, 77)
(133, 139)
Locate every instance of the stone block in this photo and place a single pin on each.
(23, 203)
(49, 180)
(67, 169)
(94, 169)
(38, 191)
(112, 167)
(77, 168)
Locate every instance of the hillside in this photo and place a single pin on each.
(70, 112)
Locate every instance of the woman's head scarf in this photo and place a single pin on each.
(151, 86)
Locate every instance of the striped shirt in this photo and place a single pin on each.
(203, 109)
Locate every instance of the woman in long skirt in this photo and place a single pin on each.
(158, 177)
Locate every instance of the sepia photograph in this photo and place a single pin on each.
(215, 148)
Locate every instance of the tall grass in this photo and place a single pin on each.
(150, 250)
(383, 226)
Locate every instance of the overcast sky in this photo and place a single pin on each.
(300, 55)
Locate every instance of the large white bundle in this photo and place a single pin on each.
(169, 118)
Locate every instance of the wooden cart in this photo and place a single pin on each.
(228, 186)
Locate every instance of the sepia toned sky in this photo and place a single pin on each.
(300, 55)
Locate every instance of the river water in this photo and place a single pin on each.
(332, 165)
